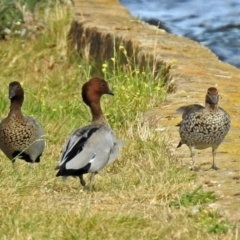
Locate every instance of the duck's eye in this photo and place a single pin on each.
(103, 85)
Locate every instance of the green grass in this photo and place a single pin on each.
(132, 196)
(197, 196)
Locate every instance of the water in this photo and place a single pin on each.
(213, 23)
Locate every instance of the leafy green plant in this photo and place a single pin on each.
(209, 220)
(17, 18)
(196, 197)
(10, 17)
(213, 222)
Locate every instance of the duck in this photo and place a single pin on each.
(204, 127)
(20, 136)
(90, 148)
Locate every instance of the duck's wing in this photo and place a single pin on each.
(187, 110)
(76, 142)
(88, 148)
(37, 126)
(36, 148)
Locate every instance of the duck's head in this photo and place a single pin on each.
(15, 91)
(93, 89)
(212, 96)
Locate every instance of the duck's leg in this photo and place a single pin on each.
(31, 166)
(193, 166)
(92, 177)
(192, 163)
(82, 181)
(214, 151)
(13, 163)
(64, 178)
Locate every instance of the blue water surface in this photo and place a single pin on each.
(214, 23)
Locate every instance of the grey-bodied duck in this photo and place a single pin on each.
(90, 148)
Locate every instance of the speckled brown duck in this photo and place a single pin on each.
(204, 127)
(20, 136)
